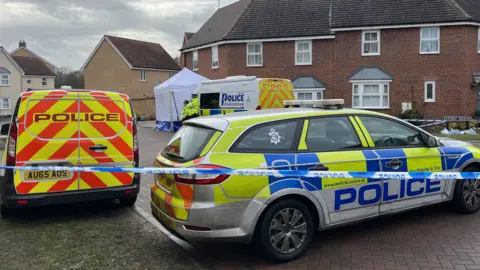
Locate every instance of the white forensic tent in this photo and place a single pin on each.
(169, 98)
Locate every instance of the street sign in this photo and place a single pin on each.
(458, 118)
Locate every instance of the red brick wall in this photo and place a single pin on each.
(205, 63)
(335, 60)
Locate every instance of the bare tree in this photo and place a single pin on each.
(67, 76)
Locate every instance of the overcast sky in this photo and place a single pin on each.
(65, 32)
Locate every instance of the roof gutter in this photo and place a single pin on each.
(342, 29)
(257, 40)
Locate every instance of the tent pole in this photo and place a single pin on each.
(176, 109)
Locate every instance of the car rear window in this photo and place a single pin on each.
(188, 143)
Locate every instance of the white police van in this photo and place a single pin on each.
(242, 93)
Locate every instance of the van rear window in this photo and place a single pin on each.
(188, 143)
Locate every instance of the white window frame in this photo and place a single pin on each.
(44, 82)
(309, 52)
(215, 57)
(478, 45)
(313, 91)
(430, 39)
(254, 53)
(195, 61)
(143, 75)
(1, 79)
(1, 105)
(434, 89)
(380, 84)
(364, 41)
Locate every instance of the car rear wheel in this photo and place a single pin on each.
(286, 230)
(5, 212)
(128, 201)
(467, 194)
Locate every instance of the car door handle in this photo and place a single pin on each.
(319, 167)
(98, 147)
(394, 164)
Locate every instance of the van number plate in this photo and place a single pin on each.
(46, 175)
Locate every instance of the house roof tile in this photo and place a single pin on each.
(142, 54)
(354, 13)
(33, 66)
(219, 25)
(308, 82)
(279, 19)
(263, 19)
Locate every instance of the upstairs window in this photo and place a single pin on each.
(303, 52)
(430, 40)
(370, 43)
(143, 75)
(195, 60)
(5, 103)
(215, 57)
(254, 55)
(479, 40)
(44, 81)
(5, 79)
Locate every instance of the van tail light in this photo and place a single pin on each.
(12, 145)
(258, 108)
(136, 151)
(202, 179)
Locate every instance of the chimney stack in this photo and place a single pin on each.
(22, 44)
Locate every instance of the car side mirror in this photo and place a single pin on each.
(5, 129)
(432, 142)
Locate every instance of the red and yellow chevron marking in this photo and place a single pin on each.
(48, 132)
(178, 201)
(115, 135)
(46, 141)
(273, 92)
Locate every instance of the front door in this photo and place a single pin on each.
(404, 149)
(333, 144)
(106, 139)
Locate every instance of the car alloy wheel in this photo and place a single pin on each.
(471, 192)
(288, 230)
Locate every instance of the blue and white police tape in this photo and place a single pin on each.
(259, 172)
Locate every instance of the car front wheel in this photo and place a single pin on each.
(467, 194)
(286, 230)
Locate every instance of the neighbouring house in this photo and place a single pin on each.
(379, 54)
(20, 71)
(131, 67)
(186, 37)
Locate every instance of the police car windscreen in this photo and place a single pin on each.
(188, 143)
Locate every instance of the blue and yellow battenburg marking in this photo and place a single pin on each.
(206, 112)
(363, 164)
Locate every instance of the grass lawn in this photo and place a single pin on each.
(90, 236)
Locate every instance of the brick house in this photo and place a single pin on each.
(131, 67)
(379, 54)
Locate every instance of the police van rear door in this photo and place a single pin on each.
(106, 138)
(47, 135)
(273, 92)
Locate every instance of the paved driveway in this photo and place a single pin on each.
(428, 238)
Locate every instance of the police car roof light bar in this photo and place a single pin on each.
(324, 104)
